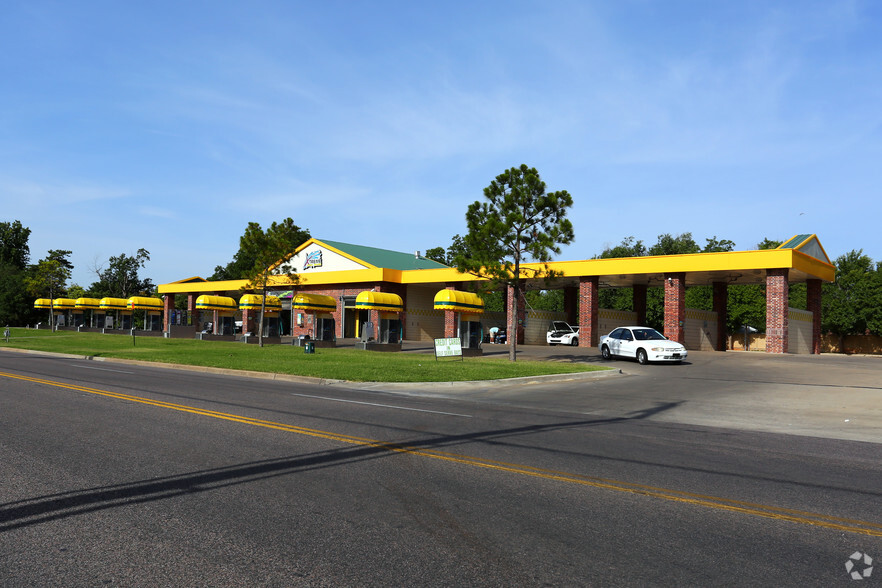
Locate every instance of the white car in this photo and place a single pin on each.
(643, 343)
(562, 333)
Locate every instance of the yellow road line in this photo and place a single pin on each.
(755, 509)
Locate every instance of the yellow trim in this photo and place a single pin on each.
(43, 303)
(748, 266)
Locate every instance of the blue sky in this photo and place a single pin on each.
(171, 125)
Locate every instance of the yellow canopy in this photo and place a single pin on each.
(113, 304)
(252, 301)
(43, 303)
(64, 303)
(314, 302)
(208, 302)
(87, 303)
(459, 301)
(143, 303)
(385, 301)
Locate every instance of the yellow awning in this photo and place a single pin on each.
(385, 301)
(143, 303)
(252, 301)
(64, 303)
(113, 304)
(209, 302)
(314, 302)
(459, 301)
(87, 303)
(43, 303)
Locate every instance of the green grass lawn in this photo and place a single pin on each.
(340, 364)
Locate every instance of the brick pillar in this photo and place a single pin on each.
(168, 305)
(450, 319)
(249, 325)
(639, 301)
(520, 313)
(720, 304)
(813, 288)
(777, 301)
(675, 306)
(589, 290)
(192, 313)
(571, 304)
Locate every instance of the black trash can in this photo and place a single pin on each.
(308, 347)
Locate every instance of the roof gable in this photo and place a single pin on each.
(348, 256)
(807, 244)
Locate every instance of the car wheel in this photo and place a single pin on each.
(604, 352)
(641, 357)
(574, 342)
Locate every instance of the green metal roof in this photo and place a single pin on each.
(795, 242)
(383, 257)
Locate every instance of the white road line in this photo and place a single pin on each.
(465, 416)
(88, 367)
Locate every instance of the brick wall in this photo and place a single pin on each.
(589, 288)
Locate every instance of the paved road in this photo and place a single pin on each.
(121, 474)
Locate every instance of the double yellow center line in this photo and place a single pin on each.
(715, 502)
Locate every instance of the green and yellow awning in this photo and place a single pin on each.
(210, 302)
(87, 303)
(113, 304)
(314, 302)
(253, 302)
(383, 301)
(43, 303)
(144, 303)
(459, 301)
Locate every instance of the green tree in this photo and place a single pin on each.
(15, 305)
(245, 258)
(121, 279)
(14, 250)
(517, 223)
(50, 275)
(269, 251)
(851, 304)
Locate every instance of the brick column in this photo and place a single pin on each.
(813, 288)
(520, 313)
(168, 305)
(639, 301)
(193, 314)
(675, 306)
(589, 290)
(449, 320)
(720, 305)
(777, 301)
(249, 325)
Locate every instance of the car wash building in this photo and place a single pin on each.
(372, 294)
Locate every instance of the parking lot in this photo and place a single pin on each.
(828, 395)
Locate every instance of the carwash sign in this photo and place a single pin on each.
(313, 260)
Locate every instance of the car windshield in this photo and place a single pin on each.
(560, 326)
(647, 335)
